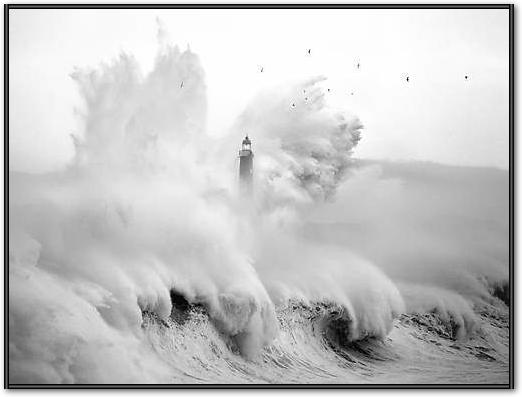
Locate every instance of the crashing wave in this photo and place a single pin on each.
(314, 344)
(95, 250)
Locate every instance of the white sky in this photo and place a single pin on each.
(438, 116)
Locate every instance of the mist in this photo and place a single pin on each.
(150, 205)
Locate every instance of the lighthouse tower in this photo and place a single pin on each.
(246, 167)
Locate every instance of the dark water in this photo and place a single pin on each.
(313, 346)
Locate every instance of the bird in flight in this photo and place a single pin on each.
(328, 90)
(181, 85)
(466, 77)
(262, 68)
(309, 51)
(293, 105)
(358, 65)
(407, 78)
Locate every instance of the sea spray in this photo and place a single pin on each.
(149, 206)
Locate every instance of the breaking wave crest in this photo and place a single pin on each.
(315, 345)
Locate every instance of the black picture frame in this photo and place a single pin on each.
(510, 7)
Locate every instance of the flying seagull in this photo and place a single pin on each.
(262, 68)
(466, 77)
(407, 78)
(309, 51)
(181, 86)
(358, 65)
(328, 90)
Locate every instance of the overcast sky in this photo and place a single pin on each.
(437, 116)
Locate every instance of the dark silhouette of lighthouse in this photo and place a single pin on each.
(246, 167)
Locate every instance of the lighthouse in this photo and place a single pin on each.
(246, 167)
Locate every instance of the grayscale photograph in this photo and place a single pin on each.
(258, 196)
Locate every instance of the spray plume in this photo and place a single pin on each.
(146, 209)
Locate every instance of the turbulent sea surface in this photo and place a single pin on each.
(139, 262)
(313, 347)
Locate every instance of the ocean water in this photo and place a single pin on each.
(312, 348)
